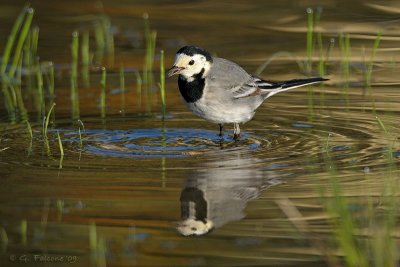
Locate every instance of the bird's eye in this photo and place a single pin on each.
(193, 229)
(191, 62)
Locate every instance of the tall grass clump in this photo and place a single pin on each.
(11, 61)
(30, 57)
(74, 75)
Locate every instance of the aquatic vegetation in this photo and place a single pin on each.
(13, 52)
(60, 207)
(74, 76)
(60, 146)
(24, 231)
(50, 82)
(139, 83)
(310, 39)
(104, 38)
(162, 82)
(344, 46)
(103, 84)
(376, 246)
(46, 121)
(80, 133)
(370, 64)
(97, 247)
(122, 88)
(85, 55)
(335, 221)
(3, 240)
(40, 102)
(150, 40)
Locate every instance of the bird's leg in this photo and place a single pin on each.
(236, 131)
(221, 130)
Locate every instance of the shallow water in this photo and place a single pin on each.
(122, 191)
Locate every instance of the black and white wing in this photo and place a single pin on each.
(256, 86)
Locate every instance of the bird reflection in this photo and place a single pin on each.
(218, 193)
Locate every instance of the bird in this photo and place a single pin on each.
(220, 91)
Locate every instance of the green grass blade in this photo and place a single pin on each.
(20, 44)
(103, 84)
(46, 123)
(370, 65)
(40, 105)
(162, 82)
(310, 30)
(60, 145)
(11, 39)
(74, 75)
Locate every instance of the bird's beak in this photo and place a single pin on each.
(174, 70)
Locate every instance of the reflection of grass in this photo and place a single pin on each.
(97, 247)
(3, 239)
(24, 231)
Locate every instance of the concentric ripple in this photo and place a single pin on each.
(158, 142)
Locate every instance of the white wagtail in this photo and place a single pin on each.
(220, 91)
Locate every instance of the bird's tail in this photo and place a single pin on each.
(277, 87)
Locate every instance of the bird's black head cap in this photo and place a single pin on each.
(191, 50)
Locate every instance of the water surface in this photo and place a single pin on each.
(126, 188)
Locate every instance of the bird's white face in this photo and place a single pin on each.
(189, 66)
(194, 227)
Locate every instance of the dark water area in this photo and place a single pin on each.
(133, 189)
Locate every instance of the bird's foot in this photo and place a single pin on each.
(236, 131)
(221, 130)
(236, 136)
